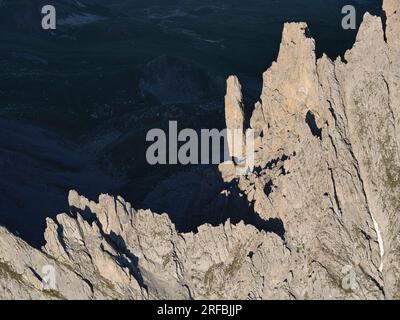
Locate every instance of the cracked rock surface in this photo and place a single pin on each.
(326, 165)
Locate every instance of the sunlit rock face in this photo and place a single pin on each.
(327, 154)
(327, 171)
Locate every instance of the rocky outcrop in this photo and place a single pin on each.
(326, 166)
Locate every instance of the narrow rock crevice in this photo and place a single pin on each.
(116, 242)
(384, 24)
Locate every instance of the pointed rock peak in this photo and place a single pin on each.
(75, 200)
(290, 86)
(234, 89)
(371, 26)
(295, 31)
(391, 20)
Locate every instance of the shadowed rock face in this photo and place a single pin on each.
(327, 168)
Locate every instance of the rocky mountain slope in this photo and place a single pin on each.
(38, 167)
(327, 168)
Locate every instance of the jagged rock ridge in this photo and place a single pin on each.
(327, 166)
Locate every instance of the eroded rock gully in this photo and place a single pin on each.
(327, 167)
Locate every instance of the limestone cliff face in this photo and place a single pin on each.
(327, 167)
